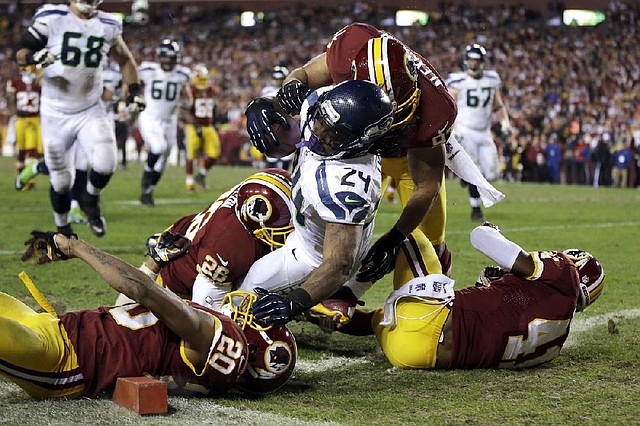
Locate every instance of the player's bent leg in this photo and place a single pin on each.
(35, 352)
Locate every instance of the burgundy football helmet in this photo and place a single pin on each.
(272, 350)
(388, 63)
(592, 276)
(264, 206)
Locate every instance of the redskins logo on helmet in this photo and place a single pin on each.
(386, 62)
(264, 206)
(591, 274)
(272, 350)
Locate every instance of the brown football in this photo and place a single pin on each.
(288, 138)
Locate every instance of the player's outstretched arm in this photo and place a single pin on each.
(194, 326)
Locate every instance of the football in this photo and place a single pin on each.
(288, 138)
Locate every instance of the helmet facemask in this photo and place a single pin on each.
(474, 60)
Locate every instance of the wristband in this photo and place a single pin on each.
(134, 89)
(300, 301)
(148, 272)
(395, 236)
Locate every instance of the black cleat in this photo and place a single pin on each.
(147, 200)
(97, 225)
(477, 215)
(201, 180)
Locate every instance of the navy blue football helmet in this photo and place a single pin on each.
(474, 60)
(168, 53)
(346, 120)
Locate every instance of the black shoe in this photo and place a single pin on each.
(477, 215)
(66, 229)
(97, 225)
(147, 200)
(201, 180)
(90, 205)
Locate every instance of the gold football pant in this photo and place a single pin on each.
(413, 341)
(209, 142)
(29, 134)
(434, 224)
(36, 353)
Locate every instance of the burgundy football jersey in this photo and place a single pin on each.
(437, 109)
(27, 97)
(515, 322)
(203, 105)
(221, 247)
(129, 340)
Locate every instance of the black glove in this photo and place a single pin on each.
(275, 309)
(170, 247)
(381, 257)
(489, 274)
(135, 101)
(41, 59)
(43, 248)
(261, 114)
(292, 95)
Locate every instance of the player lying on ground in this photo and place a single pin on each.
(83, 353)
(518, 315)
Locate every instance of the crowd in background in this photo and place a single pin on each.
(573, 92)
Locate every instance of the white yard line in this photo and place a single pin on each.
(328, 363)
(581, 325)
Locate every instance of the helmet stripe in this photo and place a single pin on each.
(281, 184)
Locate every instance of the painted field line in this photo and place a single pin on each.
(580, 325)
(328, 363)
(208, 409)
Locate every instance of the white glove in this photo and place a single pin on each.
(43, 58)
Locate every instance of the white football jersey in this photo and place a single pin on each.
(475, 98)
(162, 89)
(73, 82)
(333, 191)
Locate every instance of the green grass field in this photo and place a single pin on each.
(346, 380)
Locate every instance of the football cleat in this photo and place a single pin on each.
(477, 215)
(202, 181)
(25, 179)
(97, 225)
(146, 199)
(77, 215)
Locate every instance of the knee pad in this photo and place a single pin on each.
(60, 201)
(99, 180)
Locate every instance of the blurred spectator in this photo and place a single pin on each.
(621, 163)
(553, 157)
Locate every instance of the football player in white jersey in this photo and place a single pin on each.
(71, 42)
(477, 93)
(165, 84)
(336, 192)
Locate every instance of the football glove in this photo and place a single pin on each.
(275, 309)
(489, 274)
(292, 95)
(261, 114)
(381, 258)
(334, 311)
(43, 248)
(41, 59)
(169, 247)
(135, 101)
